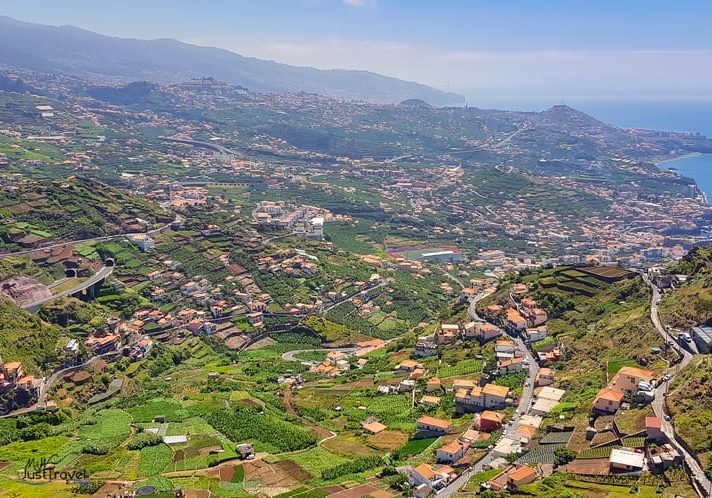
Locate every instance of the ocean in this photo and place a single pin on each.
(668, 116)
(687, 116)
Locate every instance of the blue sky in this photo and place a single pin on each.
(495, 50)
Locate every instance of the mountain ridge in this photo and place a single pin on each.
(80, 52)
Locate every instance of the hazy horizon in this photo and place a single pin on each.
(549, 52)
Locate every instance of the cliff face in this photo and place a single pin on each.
(24, 290)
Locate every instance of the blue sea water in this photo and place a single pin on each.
(699, 168)
(693, 117)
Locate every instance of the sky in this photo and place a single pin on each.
(494, 50)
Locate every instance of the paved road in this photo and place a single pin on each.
(198, 143)
(472, 309)
(94, 279)
(48, 381)
(658, 405)
(160, 229)
(355, 295)
(290, 355)
(522, 408)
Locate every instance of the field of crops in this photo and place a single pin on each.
(602, 452)
(154, 459)
(540, 454)
(463, 367)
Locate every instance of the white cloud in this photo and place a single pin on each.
(530, 73)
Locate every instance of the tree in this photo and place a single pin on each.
(562, 456)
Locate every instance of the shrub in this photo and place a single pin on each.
(145, 439)
(352, 467)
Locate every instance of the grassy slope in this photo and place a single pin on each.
(611, 326)
(690, 402)
(75, 208)
(691, 304)
(26, 338)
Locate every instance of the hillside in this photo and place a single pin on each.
(26, 338)
(602, 327)
(34, 214)
(79, 52)
(691, 304)
(690, 402)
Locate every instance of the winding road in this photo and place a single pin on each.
(522, 408)
(160, 229)
(702, 485)
(82, 286)
(47, 382)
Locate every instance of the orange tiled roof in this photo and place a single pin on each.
(495, 390)
(435, 422)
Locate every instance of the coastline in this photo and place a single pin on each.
(679, 158)
(703, 190)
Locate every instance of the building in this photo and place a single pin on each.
(12, 371)
(481, 331)
(507, 446)
(521, 476)
(628, 378)
(504, 347)
(654, 429)
(490, 421)
(703, 338)
(608, 401)
(515, 320)
(534, 334)
(430, 400)
(543, 406)
(626, 460)
(425, 478)
(473, 399)
(246, 451)
(467, 384)
(143, 241)
(452, 256)
(451, 452)
(551, 393)
(544, 377)
(447, 334)
(537, 317)
(433, 385)
(101, 345)
(409, 366)
(510, 365)
(425, 347)
(373, 427)
(428, 424)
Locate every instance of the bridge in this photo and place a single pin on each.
(85, 290)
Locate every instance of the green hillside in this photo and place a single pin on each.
(690, 402)
(601, 327)
(36, 213)
(691, 304)
(26, 338)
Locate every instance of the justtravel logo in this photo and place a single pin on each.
(43, 469)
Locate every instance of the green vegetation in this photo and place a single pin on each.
(691, 406)
(78, 208)
(26, 338)
(264, 429)
(691, 304)
(352, 467)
